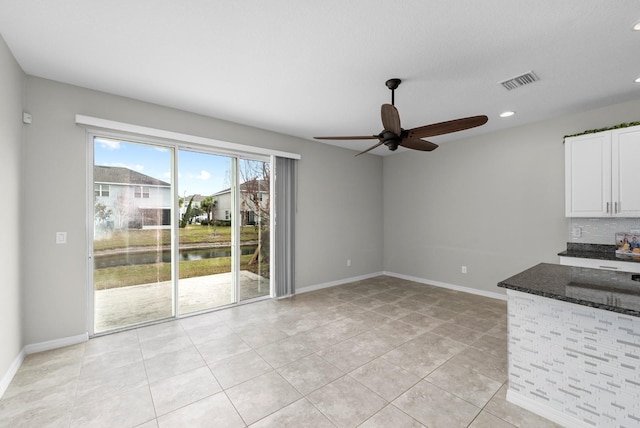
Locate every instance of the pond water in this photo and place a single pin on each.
(135, 258)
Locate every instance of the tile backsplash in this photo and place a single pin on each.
(601, 230)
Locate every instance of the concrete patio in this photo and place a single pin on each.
(120, 307)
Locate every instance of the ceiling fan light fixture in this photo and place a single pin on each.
(507, 113)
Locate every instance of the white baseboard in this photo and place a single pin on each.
(34, 348)
(56, 343)
(338, 282)
(408, 278)
(545, 411)
(13, 369)
(489, 294)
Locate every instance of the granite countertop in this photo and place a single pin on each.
(609, 290)
(597, 251)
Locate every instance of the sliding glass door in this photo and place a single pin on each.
(205, 231)
(176, 231)
(255, 239)
(132, 221)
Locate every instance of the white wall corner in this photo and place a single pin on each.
(470, 290)
(338, 282)
(34, 348)
(13, 369)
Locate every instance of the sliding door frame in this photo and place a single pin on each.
(175, 146)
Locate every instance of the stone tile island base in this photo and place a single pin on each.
(575, 365)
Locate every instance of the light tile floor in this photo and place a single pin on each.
(382, 352)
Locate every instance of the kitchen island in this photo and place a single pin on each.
(574, 345)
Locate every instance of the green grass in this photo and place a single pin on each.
(192, 234)
(124, 276)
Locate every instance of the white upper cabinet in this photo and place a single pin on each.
(625, 171)
(602, 174)
(588, 175)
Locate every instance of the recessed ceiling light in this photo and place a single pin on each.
(507, 113)
(637, 26)
(638, 80)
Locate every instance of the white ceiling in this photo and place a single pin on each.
(308, 68)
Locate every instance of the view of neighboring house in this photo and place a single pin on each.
(132, 199)
(254, 202)
(195, 203)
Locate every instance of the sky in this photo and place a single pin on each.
(198, 173)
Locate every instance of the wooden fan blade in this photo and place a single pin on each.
(370, 148)
(357, 137)
(416, 144)
(391, 119)
(446, 127)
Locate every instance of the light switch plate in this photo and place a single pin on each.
(61, 237)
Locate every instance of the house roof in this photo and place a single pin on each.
(245, 187)
(121, 175)
(196, 198)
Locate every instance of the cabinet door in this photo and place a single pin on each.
(625, 150)
(588, 175)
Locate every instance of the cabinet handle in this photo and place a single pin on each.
(608, 267)
(607, 206)
(616, 207)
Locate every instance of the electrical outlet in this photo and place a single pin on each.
(464, 269)
(576, 232)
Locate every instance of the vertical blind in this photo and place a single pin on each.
(285, 215)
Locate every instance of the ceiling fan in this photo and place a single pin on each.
(393, 135)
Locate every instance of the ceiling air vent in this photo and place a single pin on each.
(519, 81)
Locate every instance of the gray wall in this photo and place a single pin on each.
(493, 203)
(55, 168)
(11, 85)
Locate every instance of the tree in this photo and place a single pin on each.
(101, 212)
(208, 204)
(254, 190)
(122, 209)
(188, 214)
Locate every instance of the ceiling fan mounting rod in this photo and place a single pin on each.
(393, 85)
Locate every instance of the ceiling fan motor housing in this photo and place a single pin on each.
(390, 139)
